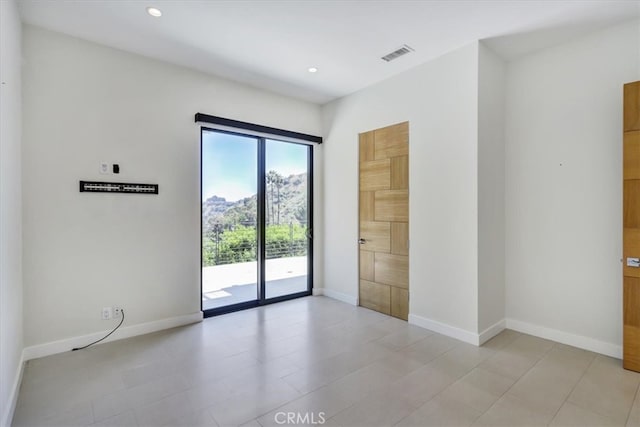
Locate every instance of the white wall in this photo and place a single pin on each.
(491, 187)
(11, 330)
(563, 187)
(439, 99)
(85, 103)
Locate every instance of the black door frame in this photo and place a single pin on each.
(261, 227)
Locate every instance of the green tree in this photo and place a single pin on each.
(274, 185)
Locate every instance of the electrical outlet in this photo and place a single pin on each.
(117, 312)
(104, 168)
(106, 313)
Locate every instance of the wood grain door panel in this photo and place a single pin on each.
(392, 269)
(631, 211)
(367, 149)
(375, 175)
(391, 205)
(376, 235)
(400, 303)
(631, 154)
(367, 200)
(631, 348)
(631, 301)
(631, 107)
(631, 337)
(400, 238)
(392, 141)
(367, 266)
(400, 173)
(375, 296)
(631, 243)
(384, 220)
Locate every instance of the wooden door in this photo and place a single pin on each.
(631, 224)
(384, 220)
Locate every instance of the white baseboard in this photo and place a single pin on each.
(579, 341)
(7, 417)
(349, 299)
(444, 329)
(585, 343)
(492, 331)
(54, 347)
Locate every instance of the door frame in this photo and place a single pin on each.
(630, 227)
(261, 227)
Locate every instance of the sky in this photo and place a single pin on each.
(229, 163)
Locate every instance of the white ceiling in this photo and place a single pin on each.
(271, 44)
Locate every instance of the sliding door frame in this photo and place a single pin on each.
(261, 226)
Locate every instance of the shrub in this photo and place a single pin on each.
(239, 244)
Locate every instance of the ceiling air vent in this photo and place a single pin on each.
(397, 53)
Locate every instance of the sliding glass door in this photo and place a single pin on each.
(287, 221)
(256, 220)
(229, 219)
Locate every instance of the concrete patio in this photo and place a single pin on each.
(234, 283)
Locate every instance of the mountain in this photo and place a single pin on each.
(215, 206)
(286, 202)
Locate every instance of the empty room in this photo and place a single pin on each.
(319, 212)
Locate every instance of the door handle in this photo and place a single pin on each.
(362, 241)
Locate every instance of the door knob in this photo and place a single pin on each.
(362, 241)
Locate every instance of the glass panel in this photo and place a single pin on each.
(229, 219)
(286, 219)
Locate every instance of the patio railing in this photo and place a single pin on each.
(229, 244)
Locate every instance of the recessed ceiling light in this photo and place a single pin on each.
(154, 11)
(313, 70)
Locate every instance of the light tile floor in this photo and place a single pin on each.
(315, 360)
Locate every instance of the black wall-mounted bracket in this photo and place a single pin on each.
(117, 187)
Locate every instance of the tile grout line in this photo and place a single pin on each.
(93, 413)
(519, 378)
(573, 388)
(426, 364)
(367, 365)
(442, 391)
(321, 387)
(594, 411)
(514, 383)
(458, 379)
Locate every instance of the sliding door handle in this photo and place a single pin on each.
(362, 241)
